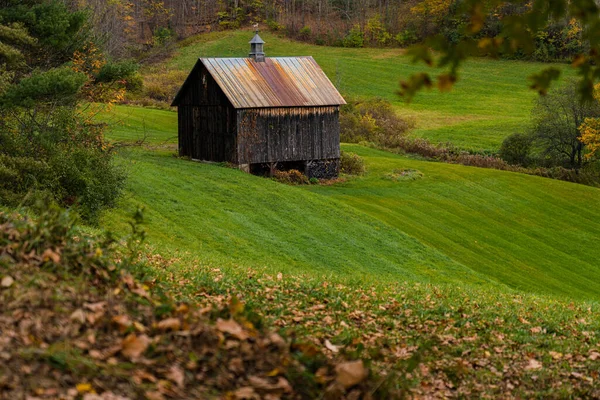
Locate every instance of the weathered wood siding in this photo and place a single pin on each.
(207, 120)
(288, 134)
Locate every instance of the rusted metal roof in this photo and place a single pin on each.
(276, 82)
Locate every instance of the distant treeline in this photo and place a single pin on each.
(128, 25)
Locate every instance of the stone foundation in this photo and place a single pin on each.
(323, 169)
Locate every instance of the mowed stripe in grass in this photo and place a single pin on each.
(218, 216)
(491, 101)
(531, 233)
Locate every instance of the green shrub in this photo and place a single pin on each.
(305, 33)
(354, 38)
(373, 120)
(88, 179)
(24, 178)
(352, 164)
(273, 25)
(516, 149)
(406, 37)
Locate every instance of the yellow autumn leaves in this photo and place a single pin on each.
(590, 131)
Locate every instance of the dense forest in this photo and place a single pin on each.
(128, 25)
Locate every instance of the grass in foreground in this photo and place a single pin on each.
(491, 101)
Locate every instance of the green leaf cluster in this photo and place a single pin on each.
(58, 86)
(517, 33)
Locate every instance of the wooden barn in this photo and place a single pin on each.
(261, 113)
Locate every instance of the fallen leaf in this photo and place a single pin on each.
(7, 282)
(594, 355)
(536, 329)
(95, 307)
(172, 324)
(78, 316)
(122, 321)
(533, 365)
(331, 347)
(140, 376)
(232, 328)
(246, 393)
(555, 355)
(154, 396)
(279, 276)
(264, 385)
(177, 375)
(351, 373)
(139, 327)
(50, 254)
(133, 346)
(84, 388)
(141, 292)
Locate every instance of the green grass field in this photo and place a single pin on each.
(491, 101)
(528, 233)
(453, 224)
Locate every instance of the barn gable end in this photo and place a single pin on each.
(207, 120)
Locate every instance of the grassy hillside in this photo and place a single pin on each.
(222, 217)
(529, 233)
(491, 101)
(534, 234)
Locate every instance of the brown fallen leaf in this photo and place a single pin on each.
(103, 396)
(533, 365)
(141, 292)
(140, 376)
(7, 281)
(122, 321)
(78, 316)
(177, 375)
(264, 385)
(95, 307)
(351, 373)
(594, 355)
(150, 395)
(51, 255)
(232, 328)
(169, 324)
(133, 346)
(246, 393)
(331, 347)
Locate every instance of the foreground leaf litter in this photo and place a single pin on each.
(78, 320)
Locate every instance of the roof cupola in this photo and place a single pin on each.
(257, 52)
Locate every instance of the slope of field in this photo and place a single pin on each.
(529, 233)
(491, 101)
(533, 234)
(218, 216)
